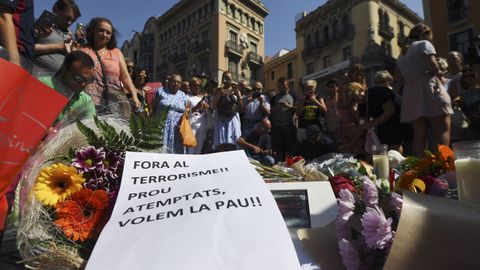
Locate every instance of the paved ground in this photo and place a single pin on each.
(9, 255)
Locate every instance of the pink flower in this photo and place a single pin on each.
(396, 200)
(349, 254)
(377, 229)
(370, 191)
(346, 202)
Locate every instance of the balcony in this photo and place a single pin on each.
(385, 31)
(202, 48)
(254, 58)
(315, 49)
(346, 31)
(457, 15)
(178, 58)
(234, 48)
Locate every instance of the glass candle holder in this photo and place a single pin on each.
(380, 161)
(467, 169)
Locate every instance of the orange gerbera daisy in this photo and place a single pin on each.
(82, 216)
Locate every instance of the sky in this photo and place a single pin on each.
(130, 16)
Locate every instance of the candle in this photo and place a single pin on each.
(380, 166)
(468, 179)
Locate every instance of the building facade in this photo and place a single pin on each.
(282, 64)
(454, 23)
(342, 32)
(204, 37)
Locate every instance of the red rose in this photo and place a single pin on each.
(341, 182)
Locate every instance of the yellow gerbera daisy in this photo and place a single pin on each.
(57, 183)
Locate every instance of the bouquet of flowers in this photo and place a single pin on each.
(434, 174)
(366, 224)
(69, 188)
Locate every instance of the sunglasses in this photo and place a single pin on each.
(81, 79)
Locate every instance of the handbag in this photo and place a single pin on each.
(104, 79)
(186, 132)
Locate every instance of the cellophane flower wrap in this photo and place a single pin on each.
(69, 187)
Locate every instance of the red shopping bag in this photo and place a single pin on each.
(27, 109)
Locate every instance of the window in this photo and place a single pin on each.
(325, 33)
(204, 36)
(289, 70)
(461, 41)
(327, 61)
(242, 17)
(272, 76)
(401, 28)
(233, 36)
(335, 29)
(347, 53)
(204, 65)
(309, 42)
(212, 6)
(253, 47)
(253, 73)
(457, 10)
(310, 68)
(345, 24)
(317, 38)
(232, 66)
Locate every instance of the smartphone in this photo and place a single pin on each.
(47, 19)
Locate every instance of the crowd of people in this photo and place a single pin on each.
(427, 100)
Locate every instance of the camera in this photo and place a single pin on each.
(256, 95)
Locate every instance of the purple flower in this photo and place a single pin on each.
(89, 159)
(377, 229)
(97, 183)
(346, 202)
(349, 254)
(438, 188)
(396, 200)
(370, 191)
(112, 161)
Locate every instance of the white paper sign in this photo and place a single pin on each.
(193, 212)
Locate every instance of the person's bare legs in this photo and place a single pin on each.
(419, 140)
(441, 128)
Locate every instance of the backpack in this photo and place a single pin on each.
(228, 105)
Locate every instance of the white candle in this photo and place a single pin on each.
(468, 179)
(380, 165)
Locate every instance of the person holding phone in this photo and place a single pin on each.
(226, 104)
(54, 40)
(16, 32)
(255, 108)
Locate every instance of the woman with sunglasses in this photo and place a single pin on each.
(425, 102)
(111, 73)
